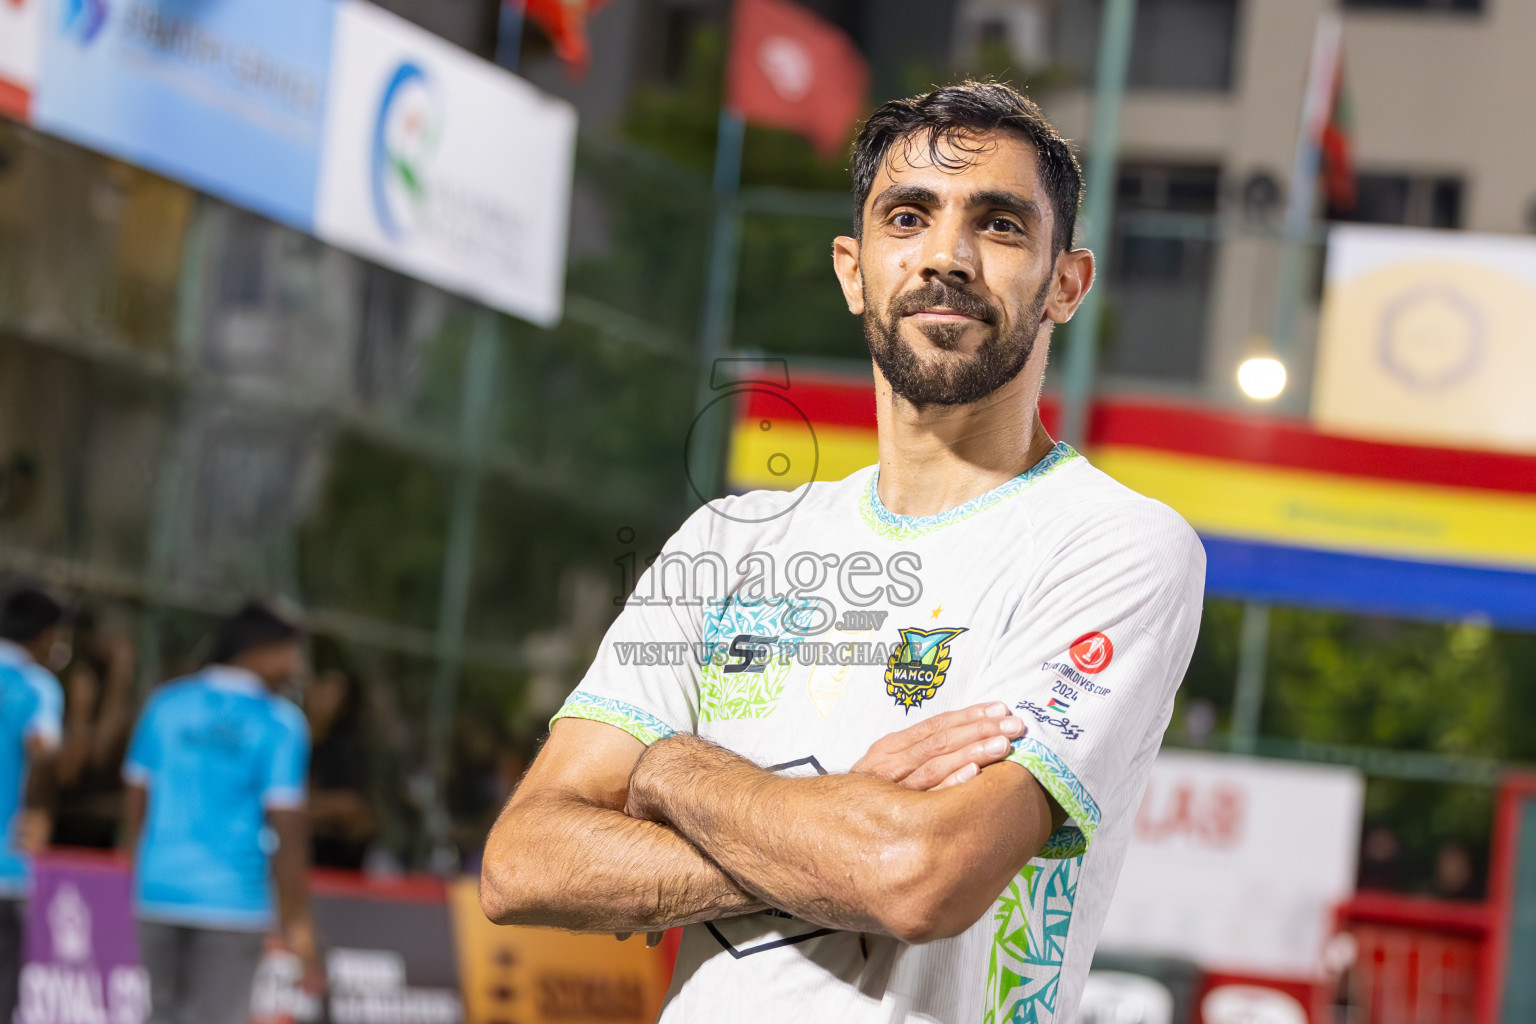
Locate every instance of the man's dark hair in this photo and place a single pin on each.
(958, 114)
(27, 611)
(254, 625)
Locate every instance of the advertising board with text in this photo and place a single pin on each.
(1237, 863)
(445, 168)
(82, 950)
(227, 97)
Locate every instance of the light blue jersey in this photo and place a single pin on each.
(31, 707)
(216, 751)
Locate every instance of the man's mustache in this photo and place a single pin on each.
(937, 293)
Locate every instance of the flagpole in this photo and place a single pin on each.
(509, 33)
(1098, 215)
(1297, 230)
(719, 293)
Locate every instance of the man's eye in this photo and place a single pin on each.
(906, 220)
(1002, 224)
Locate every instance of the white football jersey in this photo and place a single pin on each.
(798, 628)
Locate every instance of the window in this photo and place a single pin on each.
(1474, 6)
(1414, 200)
(1010, 33)
(1160, 281)
(1178, 44)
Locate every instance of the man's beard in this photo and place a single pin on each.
(997, 360)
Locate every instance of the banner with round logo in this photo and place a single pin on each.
(1426, 338)
(445, 167)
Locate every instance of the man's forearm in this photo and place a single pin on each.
(843, 851)
(135, 804)
(558, 861)
(290, 864)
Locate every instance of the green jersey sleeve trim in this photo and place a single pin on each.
(640, 724)
(1072, 839)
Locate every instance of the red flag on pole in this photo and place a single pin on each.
(1327, 126)
(1337, 145)
(565, 22)
(794, 70)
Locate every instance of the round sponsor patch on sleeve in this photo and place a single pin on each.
(1092, 652)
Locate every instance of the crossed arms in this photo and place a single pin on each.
(606, 834)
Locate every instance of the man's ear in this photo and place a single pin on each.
(845, 263)
(1074, 276)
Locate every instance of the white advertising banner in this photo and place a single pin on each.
(445, 167)
(1428, 337)
(1237, 863)
(21, 48)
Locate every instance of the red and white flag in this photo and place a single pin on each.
(792, 69)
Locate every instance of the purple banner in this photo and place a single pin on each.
(82, 950)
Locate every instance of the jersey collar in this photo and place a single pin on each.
(235, 680)
(12, 653)
(892, 526)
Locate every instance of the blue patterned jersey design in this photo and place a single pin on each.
(1031, 920)
(899, 527)
(639, 723)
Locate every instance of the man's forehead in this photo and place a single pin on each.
(960, 162)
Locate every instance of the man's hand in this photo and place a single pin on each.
(33, 828)
(299, 938)
(944, 750)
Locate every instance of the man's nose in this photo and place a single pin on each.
(950, 255)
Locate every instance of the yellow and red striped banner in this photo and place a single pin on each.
(1286, 513)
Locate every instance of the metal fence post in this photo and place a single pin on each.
(1252, 658)
(477, 389)
(1098, 214)
(719, 289)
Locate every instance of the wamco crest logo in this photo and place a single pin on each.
(405, 137)
(84, 19)
(919, 665)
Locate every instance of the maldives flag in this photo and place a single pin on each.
(1339, 183)
(792, 69)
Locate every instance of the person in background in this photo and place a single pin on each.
(216, 760)
(341, 813)
(98, 712)
(31, 704)
(1380, 859)
(1456, 872)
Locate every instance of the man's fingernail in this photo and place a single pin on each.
(996, 745)
(996, 710)
(1011, 726)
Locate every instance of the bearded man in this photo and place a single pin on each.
(933, 834)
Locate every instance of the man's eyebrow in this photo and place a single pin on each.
(1003, 199)
(898, 195)
(990, 198)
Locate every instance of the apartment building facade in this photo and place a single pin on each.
(1438, 91)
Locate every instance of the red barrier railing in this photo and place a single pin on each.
(1417, 960)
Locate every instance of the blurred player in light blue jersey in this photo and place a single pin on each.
(31, 713)
(216, 773)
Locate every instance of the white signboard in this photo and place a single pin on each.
(1237, 863)
(21, 46)
(1428, 337)
(445, 167)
